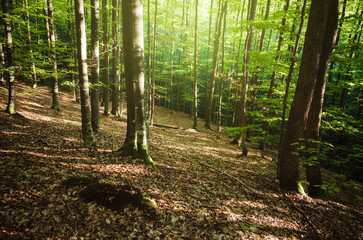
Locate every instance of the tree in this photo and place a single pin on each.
(87, 132)
(287, 88)
(55, 103)
(106, 95)
(136, 142)
(9, 57)
(312, 135)
(195, 92)
(314, 41)
(33, 71)
(152, 92)
(115, 62)
(214, 68)
(95, 66)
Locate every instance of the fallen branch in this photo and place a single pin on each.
(220, 171)
(311, 224)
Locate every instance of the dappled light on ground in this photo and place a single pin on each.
(203, 189)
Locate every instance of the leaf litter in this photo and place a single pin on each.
(54, 188)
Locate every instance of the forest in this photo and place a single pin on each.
(181, 119)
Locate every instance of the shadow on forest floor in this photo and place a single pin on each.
(53, 187)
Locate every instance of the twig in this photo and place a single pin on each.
(312, 225)
(220, 171)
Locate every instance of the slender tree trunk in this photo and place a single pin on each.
(72, 52)
(149, 83)
(208, 46)
(136, 142)
(10, 65)
(332, 64)
(154, 64)
(195, 92)
(248, 45)
(33, 70)
(281, 38)
(289, 172)
(288, 81)
(106, 84)
(55, 103)
(87, 131)
(115, 62)
(95, 65)
(214, 70)
(222, 75)
(2, 60)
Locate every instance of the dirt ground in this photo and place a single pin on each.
(51, 187)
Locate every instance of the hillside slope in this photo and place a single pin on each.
(52, 187)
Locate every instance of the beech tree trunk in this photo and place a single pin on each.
(195, 92)
(95, 65)
(10, 65)
(87, 132)
(214, 69)
(313, 173)
(152, 103)
(287, 88)
(136, 142)
(32, 67)
(55, 103)
(115, 62)
(106, 84)
(314, 37)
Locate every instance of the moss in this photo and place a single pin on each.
(11, 109)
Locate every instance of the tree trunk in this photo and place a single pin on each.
(55, 97)
(95, 65)
(154, 64)
(222, 75)
(87, 131)
(136, 142)
(289, 172)
(10, 65)
(195, 92)
(115, 62)
(208, 46)
(313, 174)
(281, 38)
(106, 84)
(33, 70)
(287, 88)
(214, 69)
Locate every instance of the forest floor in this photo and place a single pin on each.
(51, 187)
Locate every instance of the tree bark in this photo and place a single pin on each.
(106, 84)
(214, 70)
(289, 172)
(87, 132)
(154, 64)
(136, 142)
(10, 65)
(95, 66)
(222, 75)
(293, 60)
(55, 97)
(313, 174)
(33, 70)
(195, 92)
(115, 62)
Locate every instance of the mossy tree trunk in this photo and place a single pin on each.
(136, 142)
